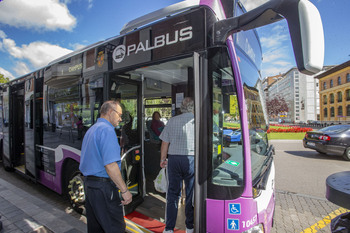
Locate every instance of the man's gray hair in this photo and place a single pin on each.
(187, 105)
(108, 105)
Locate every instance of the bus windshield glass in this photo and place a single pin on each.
(228, 154)
(227, 158)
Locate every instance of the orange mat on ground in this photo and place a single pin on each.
(148, 223)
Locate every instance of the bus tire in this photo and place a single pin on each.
(7, 165)
(74, 186)
(346, 154)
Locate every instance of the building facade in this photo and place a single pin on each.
(335, 94)
(301, 93)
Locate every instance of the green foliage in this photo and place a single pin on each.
(165, 112)
(3, 79)
(286, 136)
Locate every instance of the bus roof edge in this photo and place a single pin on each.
(158, 14)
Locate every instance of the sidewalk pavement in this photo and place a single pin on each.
(23, 212)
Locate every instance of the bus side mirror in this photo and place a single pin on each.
(304, 22)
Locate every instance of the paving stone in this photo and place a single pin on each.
(23, 212)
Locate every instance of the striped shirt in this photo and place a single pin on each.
(179, 132)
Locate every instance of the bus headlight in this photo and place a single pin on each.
(256, 192)
(256, 229)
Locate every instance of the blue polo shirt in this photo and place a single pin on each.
(100, 147)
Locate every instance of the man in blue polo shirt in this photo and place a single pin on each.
(100, 163)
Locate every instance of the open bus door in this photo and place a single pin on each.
(16, 129)
(33, 124)
(129, 134)
(142, 91)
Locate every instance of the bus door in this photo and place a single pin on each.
(30, 106)
(162, 107)
(164, 86)
(17, 127)
(128, 92)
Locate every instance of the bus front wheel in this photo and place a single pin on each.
(75, 189)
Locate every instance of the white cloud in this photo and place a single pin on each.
(273, 56)
(21, 68)
(7, 74)
(274, 40)
(272, 71)
(90, 4)
(283, 63)
(38, 53)
(2, 34)
(277, 49)
(38, 14)
(77, 46)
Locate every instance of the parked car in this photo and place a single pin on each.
(232, 136)
(333, 140)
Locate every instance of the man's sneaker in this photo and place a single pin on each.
(169, 231)
(189, 230)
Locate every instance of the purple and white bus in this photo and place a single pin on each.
(205, 49)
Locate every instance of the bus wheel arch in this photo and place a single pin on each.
(73, 185)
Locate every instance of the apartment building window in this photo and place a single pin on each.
(340, 96)
(331, 83)
(324, 99)
(339, 80)
(324, 85)
(347, 77)
(348, 110)
(331, 98)
(325, 112)
(332, 111)
(340, 111)
(347, 94)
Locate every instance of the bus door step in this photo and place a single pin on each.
(133, 227)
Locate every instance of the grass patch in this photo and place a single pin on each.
(286, 136)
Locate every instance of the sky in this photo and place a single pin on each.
(35, 32)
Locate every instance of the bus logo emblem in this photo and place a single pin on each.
(119, 53)
(235, 208)
(232, 224)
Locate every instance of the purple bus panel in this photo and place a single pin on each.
(54, 182)
(226, 216)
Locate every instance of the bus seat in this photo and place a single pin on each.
(152, 160)
(152, 136)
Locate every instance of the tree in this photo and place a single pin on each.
(3, 79)
(275, 106)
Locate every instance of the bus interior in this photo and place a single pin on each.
(143, 91)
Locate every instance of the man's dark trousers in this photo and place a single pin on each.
(104, 211)
(180, 167)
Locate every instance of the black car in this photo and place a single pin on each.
(333, 140)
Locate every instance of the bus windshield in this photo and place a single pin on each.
(227, 158)
(228, 154)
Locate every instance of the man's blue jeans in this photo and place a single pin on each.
(180, 167)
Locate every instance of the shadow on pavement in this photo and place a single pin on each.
(314, 155)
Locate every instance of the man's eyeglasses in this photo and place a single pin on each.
(119, 114)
